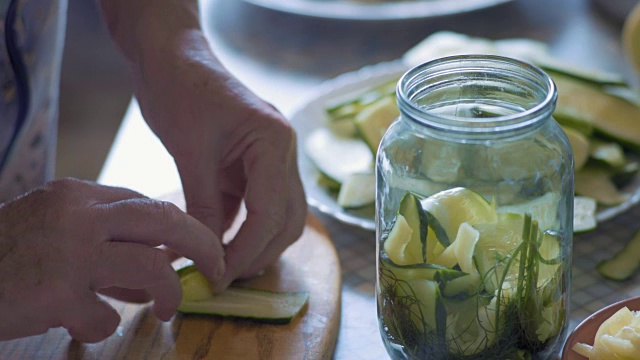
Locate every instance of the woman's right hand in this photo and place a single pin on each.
(63, 242)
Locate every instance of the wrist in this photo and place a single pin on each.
(151, 29)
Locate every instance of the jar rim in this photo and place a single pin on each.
(541, 110)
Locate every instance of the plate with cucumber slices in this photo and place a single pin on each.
(340, 127)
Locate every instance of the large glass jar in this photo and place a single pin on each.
(474, 214)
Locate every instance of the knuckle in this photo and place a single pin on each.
(157, 260)
(167, 212)
(275, 221)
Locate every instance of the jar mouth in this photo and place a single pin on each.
(476, 94)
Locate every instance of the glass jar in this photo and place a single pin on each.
(474, 214)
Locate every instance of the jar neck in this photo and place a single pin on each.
(476, 96)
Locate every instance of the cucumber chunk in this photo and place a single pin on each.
(373, 121)
(338, 157)
(624, 263)
(584, 214)
(359, 190)
(236, 302)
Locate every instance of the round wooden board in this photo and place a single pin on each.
(311, 264)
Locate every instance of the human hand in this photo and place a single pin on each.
(68, 239)
(229, 146)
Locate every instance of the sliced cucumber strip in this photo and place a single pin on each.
(399, 245)
(609, 115)
(595, 182)
(338, 157)
(257, 305)
(623, 264)
(555, 67)
(412, 210)
(357, 191)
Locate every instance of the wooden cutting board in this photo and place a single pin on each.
(311, 264)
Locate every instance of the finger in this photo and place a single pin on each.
(153, 223)
(136, 266)
(138, 296)
(109, 194)
(296, 220)
(91, 319)
(266, 202)
(201, 191)
(100, 193)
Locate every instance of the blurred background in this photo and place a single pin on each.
(94, 93)
(96, 89)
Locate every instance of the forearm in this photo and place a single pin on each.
(147, 31)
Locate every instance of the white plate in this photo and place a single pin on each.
(311, 115)
(389, 10)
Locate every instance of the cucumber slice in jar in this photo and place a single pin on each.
(253, 304)
(406, 242)
(454, 206)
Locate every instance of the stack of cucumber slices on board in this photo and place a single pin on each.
(596, 109)
(237, 302)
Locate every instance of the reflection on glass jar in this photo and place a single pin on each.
(474, 214)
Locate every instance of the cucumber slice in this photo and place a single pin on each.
(609, 115)
(351, 107)
(556, 67)
(595, 182)
(338, 157)
(454, 206)
(257, 305)
(609, 153)
(399, 240)
(543, 209)
(461, 250)
(623, 92)
(373, 121)
(580, 146)
(411, 209)
(359, 190)
(429, 312)
(584, 214)
(419, 271)
(406, 242)
(624, 263)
